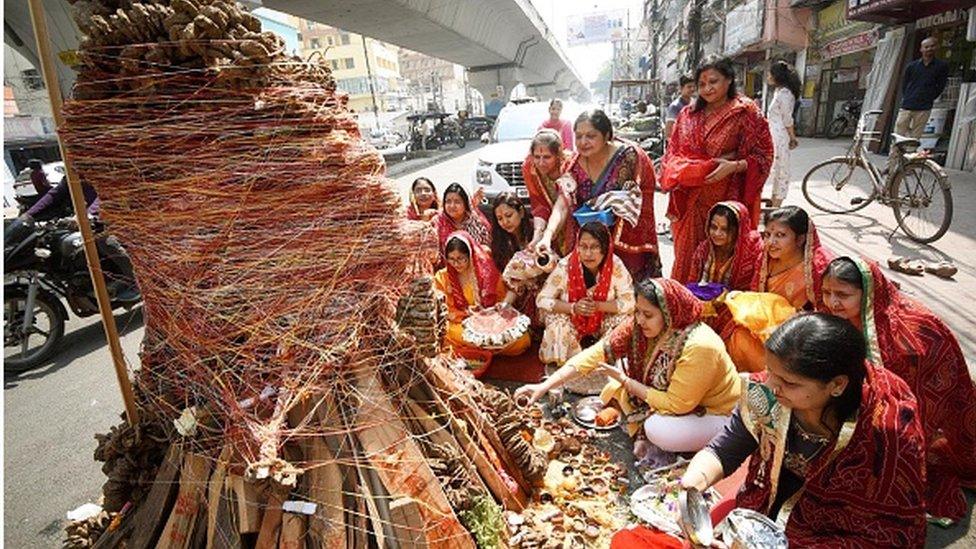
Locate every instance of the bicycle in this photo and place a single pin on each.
(914, 188)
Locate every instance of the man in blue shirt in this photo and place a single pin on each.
(686, 90)
(923, 81)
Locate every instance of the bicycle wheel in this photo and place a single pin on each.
(922, 201)
(838, 185)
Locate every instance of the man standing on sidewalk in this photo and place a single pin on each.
(686, 89)
(923, 82)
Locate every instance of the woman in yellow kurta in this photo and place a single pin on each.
(790, 267)
(470, 282)
(671, 375)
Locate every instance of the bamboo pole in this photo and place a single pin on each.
(39, 23)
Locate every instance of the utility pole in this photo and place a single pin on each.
(369, 80)
(695, 21)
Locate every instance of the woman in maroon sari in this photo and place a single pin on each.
(906, 338)
(720, 149)
(835, 445)
(728, 257)
(609, 174)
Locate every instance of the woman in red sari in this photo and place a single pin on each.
(423, 200)
(462, 214)
(609, 174)
(906, 338)
(730, 253)
(720, 149)
(835, 445)
(728, 257)
(546, 163)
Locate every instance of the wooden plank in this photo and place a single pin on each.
(441, 435)
(149, 519)
(215, 491)
(248, 504)
(402, 466)
(226, 532)
(408, 524)
(324, 485)
(293, 526)
(271, 518)
(189, 505)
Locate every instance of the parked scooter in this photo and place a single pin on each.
(849, 115)
(44, 262)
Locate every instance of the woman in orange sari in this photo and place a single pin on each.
(788, 279)
(546, 163)
(908, 339)
(470, 282)
(720, 149)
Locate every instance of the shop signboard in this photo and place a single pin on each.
(851, 44)
(595, 27)
(743, 27)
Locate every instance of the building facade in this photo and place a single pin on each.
(366, 69)
(435, 84)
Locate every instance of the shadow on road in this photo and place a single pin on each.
(77, 344)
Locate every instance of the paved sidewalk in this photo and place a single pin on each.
(867, 233)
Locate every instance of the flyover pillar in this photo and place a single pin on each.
(495, 83)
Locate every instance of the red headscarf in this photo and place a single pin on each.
(539, 197)
(906, 338)
(484, 270)
(748, 248)
(816, 257)
(474, 223)
(867, 493)
(681, 311)
(589, 325)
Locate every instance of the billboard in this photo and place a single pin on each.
(596, 27)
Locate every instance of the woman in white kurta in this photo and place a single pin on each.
(780, 116)
(588, 293)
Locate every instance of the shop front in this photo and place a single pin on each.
(838, 63)
(950, 130)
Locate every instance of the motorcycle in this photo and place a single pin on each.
(445, 132)
(44, 263)
(848, 117)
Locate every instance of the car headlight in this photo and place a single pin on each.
(483, 177)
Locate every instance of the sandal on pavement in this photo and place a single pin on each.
(906, 265)
(943, 269)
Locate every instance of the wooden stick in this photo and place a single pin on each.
(190, 501)
(39, 22)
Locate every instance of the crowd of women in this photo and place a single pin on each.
(854, 409)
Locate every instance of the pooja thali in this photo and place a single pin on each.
(658, 502)
(592, 413)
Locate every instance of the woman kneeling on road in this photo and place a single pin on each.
(835, 446)
(672, 377)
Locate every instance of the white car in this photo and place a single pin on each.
(499, 167)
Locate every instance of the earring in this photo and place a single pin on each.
(837, 393)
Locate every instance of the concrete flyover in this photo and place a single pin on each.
(501, 42)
